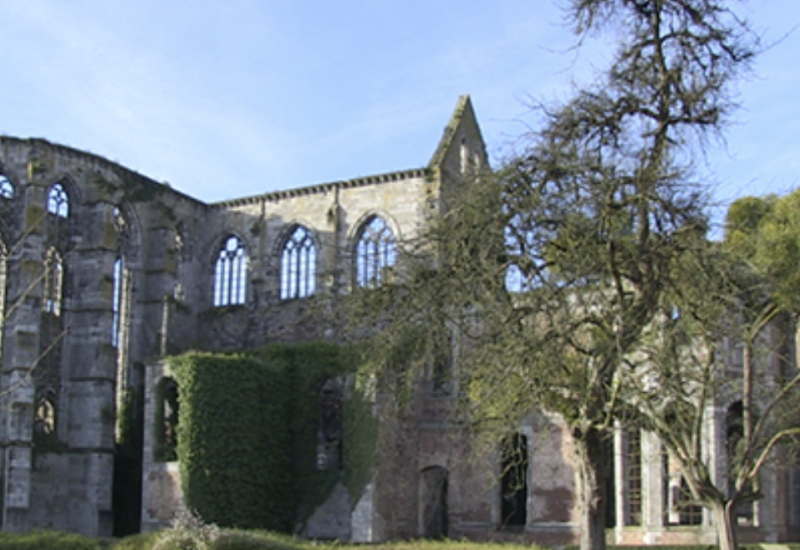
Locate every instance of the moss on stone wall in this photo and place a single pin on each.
(360, 436)
(248, 433)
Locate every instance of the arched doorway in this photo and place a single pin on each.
(433, 502)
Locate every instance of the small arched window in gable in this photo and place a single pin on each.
(6, 187)
(53, 283)
(298, 265)
(58, 201)
(375, 252)
(230, 274)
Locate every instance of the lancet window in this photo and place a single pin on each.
(53, 283)
(298, 265)
(116, 301)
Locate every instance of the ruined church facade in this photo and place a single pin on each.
(103, 272)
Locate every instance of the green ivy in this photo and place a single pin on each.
(360, 436)
(247, 434)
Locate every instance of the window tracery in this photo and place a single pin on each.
(298, 265)
(6, 187)
(58, 201)
(230, 275)
(375, 252)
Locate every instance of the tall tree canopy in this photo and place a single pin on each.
(551, 269)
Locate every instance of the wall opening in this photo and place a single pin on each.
(434, 521)
(329, 435)
(514, 481)
(166, 421)
(734, 433)
(679, 506)
(633, 477)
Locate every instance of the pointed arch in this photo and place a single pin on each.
(230, 273)
(374, 252)
(127, 226)
(298, 264)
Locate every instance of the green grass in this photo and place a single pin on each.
(207, 537)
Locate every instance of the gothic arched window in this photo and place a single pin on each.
(230, 275)
(6, 188)
(375, 252)
(53, 283)
(58, 201)
(298, 265)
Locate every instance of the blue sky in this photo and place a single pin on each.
(235, 98)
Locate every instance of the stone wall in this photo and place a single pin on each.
(78, 341)
(72, 215)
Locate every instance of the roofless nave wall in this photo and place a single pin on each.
(105, 271)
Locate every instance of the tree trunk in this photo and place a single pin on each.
(724, 522)
(591, 465)
(747, 390)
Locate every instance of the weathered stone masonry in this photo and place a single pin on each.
(104, 269)
(103, 272)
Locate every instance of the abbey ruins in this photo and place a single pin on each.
(104, 272)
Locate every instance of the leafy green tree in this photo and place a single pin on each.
(551, 270)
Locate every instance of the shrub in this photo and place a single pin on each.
(47, 540)
(248, 433)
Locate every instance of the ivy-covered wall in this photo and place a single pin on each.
(248, 433)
